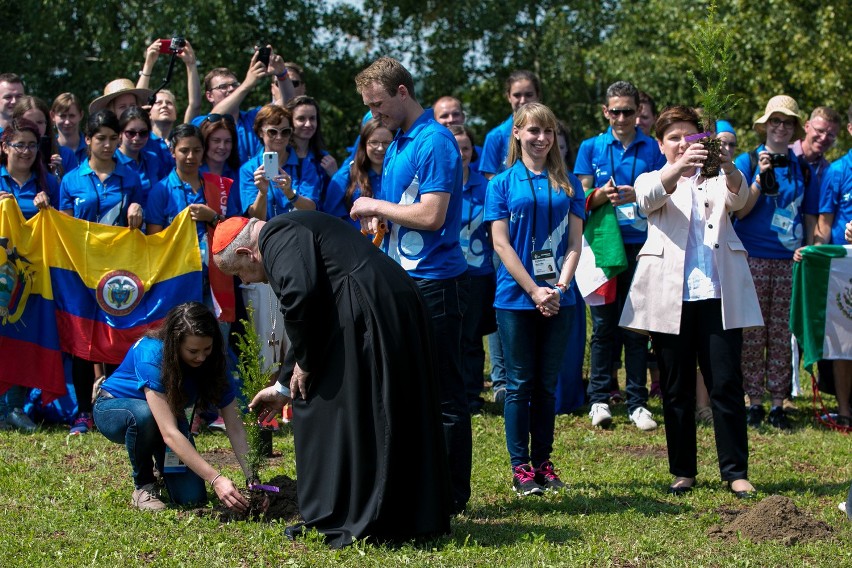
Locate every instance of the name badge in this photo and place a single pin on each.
(544, 265)
(626, 214)
(172, 463)
(782, 221)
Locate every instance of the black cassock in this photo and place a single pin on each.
(370, 457)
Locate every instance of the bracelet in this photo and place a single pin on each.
(293, 199)
(283, 75)
(213, 481)
(215, 220)
(142, 74)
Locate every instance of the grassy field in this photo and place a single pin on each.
(65, 502)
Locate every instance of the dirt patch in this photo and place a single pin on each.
(283, 505)
(775, 518)
(645, 451)
(223, 458)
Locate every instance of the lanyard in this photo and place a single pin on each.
(612, 166)
(187, 186)
(535, 206)
(98, 196)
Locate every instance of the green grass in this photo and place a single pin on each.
(65, 502)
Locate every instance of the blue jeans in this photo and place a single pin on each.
(533, 347)
(446, 301)
(498, 367)
(129, 421)
(605, 332)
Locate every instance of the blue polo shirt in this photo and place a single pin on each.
(142, 367)
(423, 160)
(474, 238)
(836, 196)
(248, 143)
(333, 201)
(793, 201)
(149, 168)
(161, 148)
(510, 196)
(69, 159)
(603, 156)
(276, 201)
(101, 202)
(492, 159)
(25, 195)
(81, 152)
(169, 197)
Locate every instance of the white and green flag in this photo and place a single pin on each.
(821, 309)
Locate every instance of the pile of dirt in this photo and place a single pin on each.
(775, 518)
(283, 506)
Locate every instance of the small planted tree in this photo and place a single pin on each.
(711, 46)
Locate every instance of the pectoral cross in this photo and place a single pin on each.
(274, 343)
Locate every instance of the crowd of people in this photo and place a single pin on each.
(708, 274)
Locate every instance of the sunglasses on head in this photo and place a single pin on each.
(214, 118)
(622, 111)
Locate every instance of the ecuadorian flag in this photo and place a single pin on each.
(84, 288)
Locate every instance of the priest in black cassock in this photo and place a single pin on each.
(370, 457)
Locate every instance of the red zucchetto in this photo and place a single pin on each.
(226, 232)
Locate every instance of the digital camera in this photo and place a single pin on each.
(779, 160)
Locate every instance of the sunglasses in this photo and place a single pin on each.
(135, 133)
(276, 132)
(296, 84)
(625, 112)
(214, 118)
(789, 123)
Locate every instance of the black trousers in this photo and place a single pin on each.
(718, 353)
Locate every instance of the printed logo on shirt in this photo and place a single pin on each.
(119, 292)
(405, 245)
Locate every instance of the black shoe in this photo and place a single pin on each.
(681, 489)
(742, 494)
(294, 531)
(754, 415)
(778, 418)
(523, 481)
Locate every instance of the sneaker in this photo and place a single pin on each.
(146, 498)
(545, 475)
(217, 424)
(195, 427)
(82, 424)
(19, 419)
(778, 418)
(754, 415)
(600, 415)
(643, 419)
(500, 396)
(523, 481)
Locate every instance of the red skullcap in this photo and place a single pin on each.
(226, 232)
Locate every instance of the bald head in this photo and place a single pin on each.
(448, 111)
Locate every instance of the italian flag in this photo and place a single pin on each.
(821, 307)
(602, 257)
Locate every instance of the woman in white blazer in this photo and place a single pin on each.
(693, 292)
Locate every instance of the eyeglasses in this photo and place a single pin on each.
(214, 118)
(625, 112)
(296, 84)
(21, 147)
(276, 132)
(135, 133)
(789, 123)
(376, 144)
(226, 86)
(823, 133)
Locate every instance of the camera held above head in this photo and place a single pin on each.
(177, 44)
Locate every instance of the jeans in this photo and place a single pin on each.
(498, 367)
(478, 320)
(603, 344)
(533, 346)
(129, 421)
(446, 301)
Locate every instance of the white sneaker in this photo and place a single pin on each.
(601, 415)
(146, 498)
(643, 419)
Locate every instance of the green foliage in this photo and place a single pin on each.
(711, 45)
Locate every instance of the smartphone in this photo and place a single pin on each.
(165, 46)
(263, 54)
(270, 165)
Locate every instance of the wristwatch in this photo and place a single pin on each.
(215, 220)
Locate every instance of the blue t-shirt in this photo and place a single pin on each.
(149, 168)
(474, 238)
(248, 143)
(333, 202)
(546, 219)
(25, 195)
(836, 196)
(101, 202)
(756, 230)
(492, 159)
(142, 367)
(603, 156)
(423, 160)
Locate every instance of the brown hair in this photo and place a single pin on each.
(673, 114)
(27, 103)
(208, 128)
(217, 72)
(523, 74)
(387, 72)
(538, 113)
(316, 144)
(359, 169)
(65, 101)
(462, 130)
(273, 114)
(828, 113)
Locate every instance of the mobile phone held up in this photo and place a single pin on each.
(270, 165)
(263, 54)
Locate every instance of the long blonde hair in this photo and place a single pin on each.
(554, 164)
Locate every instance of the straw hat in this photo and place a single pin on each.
(116, 88)
(781, 104)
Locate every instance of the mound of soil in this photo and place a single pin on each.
(775, 518)
(283, 505)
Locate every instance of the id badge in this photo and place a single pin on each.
(782, 221)
(544, 265)
(202, 245)
(626, 214)
(172, 463)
